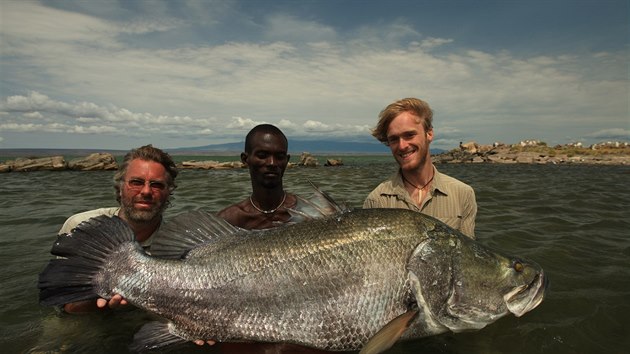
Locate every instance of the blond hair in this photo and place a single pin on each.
(416, 106)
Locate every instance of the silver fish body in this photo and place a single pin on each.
(329, 283)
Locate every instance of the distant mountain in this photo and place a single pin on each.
(296, 147)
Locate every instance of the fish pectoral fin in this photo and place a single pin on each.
(389, 334)
(154, 335)
(318, 205)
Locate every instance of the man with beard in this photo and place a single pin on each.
(143, 186)
(266, 156)
(406, 126)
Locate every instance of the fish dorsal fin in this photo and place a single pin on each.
(318, 205)
(389, 334)
(189, 230)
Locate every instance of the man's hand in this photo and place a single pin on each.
(86, 306)
(113, 303)
(201, 342)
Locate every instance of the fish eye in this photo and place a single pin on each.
(518, 266)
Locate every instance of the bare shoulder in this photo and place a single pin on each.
(234, 210)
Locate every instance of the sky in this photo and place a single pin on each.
(121, 74)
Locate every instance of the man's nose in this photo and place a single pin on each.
(146, 189)
(402, 143)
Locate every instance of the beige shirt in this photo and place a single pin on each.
(449, 200)
(76, 219)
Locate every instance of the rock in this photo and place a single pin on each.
(442, 158)
(232, 164)
(210, 165)
(51, 163)
(470, 147)
(198, 165)
(4, 167)
(526, 158)
(308, 160)
(485, 149)
(333, 162)
(93, 162)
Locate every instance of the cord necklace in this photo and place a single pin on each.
(418, 187)
(271, 211)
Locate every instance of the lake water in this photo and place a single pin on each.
(574, 220)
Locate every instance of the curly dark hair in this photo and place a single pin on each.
(263, 128)
(147, 153)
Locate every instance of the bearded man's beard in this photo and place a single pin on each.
(142, 216)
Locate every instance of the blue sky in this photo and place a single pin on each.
(121, 74)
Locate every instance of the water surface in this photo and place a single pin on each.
(571, 219)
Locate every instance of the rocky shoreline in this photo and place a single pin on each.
(525, 152)
(107, 161)
(535, 152)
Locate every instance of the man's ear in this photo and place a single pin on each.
(430, 135)
(244, 157)
(288, 157)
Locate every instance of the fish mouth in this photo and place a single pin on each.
(525, 298)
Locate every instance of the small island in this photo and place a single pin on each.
(537, 152)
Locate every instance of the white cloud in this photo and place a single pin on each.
(285, 124)
(281, 27)
(242, 123)
(33, 115)
(89, 118)
(308, 78)
(312, 125)
(431, 42)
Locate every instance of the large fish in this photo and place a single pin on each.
(357, 279)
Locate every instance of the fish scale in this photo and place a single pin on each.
(279, 259)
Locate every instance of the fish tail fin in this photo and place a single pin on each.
(85, 251)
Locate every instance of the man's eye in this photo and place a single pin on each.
(136, 183)
(408, 136)
(157, 185)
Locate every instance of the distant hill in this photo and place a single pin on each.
(296, 147)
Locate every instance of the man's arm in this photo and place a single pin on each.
(469, 214)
